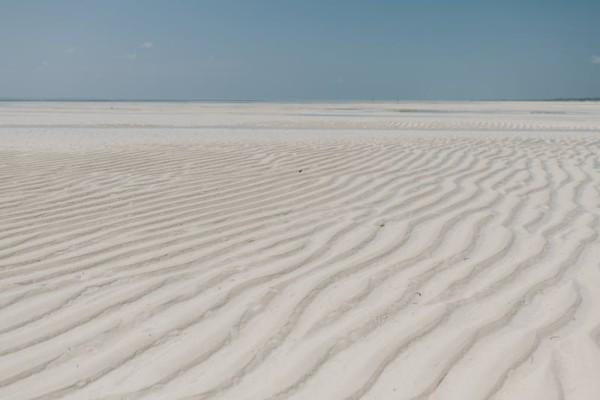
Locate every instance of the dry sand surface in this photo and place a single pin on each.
(300, 251)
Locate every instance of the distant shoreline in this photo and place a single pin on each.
(246, 101)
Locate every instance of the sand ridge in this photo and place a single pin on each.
(443, 251)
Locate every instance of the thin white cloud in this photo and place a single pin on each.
(70, 50)
(42, 65)
(595, 59)
(144, 46)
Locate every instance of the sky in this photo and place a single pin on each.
(299, 50)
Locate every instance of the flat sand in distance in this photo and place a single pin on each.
(300, 251)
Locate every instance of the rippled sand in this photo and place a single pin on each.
(300, 251)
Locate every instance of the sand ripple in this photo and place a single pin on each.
(366, 266)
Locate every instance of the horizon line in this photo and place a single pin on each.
(324, 100)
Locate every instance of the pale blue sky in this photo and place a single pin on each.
(300, 50)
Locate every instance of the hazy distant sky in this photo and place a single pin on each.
(300, 50)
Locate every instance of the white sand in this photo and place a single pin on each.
(300, 251)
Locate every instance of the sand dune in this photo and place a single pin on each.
(300, 251)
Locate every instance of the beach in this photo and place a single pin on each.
(384, 250)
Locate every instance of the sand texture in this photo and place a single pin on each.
(445, 251)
